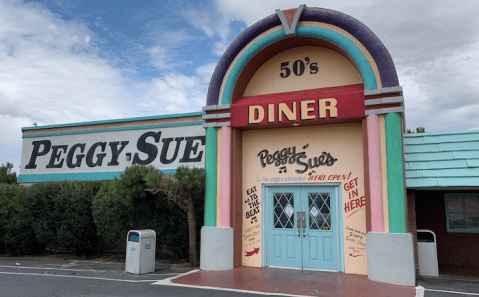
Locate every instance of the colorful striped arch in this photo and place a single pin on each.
(387, 71)
(303, 31)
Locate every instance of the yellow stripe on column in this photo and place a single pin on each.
(384, 177)
(218, 177)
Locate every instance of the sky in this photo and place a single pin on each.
(75, 61)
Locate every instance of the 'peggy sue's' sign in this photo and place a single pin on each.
(163, 148)
(302, 106)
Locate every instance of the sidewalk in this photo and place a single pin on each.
(293, 282)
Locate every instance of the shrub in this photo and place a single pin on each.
(123, 204)
(62, 215)
(16, 234)
(111, 212)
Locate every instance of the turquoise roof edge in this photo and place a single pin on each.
(441, 133)
(114, 129)
(116, 121)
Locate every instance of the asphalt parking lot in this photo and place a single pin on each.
(54, 276)
(60, 276)
(39, 276)
(442, 287)
(86, 268)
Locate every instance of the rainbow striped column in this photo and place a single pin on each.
(217, 248)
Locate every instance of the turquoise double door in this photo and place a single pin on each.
(302, 227)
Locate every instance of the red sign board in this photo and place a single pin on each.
(325, 104)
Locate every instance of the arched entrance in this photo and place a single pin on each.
(304, 147)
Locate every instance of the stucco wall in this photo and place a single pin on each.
(343, 142)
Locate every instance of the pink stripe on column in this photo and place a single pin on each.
(375, 180)
(225, 176)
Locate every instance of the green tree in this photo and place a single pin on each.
(123, 204)
(182, 188)
(418, 130)
(7, 176)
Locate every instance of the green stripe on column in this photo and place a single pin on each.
(394, 153)
(211, 176)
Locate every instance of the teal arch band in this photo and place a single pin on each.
(394, 154)
(349, 47)
(244, 59)
(211, 157)
(343, 42)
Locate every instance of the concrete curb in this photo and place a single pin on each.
(419, 291)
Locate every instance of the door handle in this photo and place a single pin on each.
(304, 233)
(298, 233)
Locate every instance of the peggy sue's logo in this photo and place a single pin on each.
(290, 156)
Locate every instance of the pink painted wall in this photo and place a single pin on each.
(375, 178)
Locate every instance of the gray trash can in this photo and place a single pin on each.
(427, 253)
(140, 251)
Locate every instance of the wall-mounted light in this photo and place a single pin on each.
(295, 124)
(128, 156)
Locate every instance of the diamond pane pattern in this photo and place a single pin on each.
(319, 220)
(283, 210)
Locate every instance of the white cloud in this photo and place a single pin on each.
(205, 72)
(49, 64)
(10, 140)
(165, 53)
(220, 47)
(176, 93)
(251, 11)
(446, 90)
(214, 25)
(201, 20)
(50, 73)
(158, 56)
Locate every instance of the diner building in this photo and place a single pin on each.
(301, 139)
